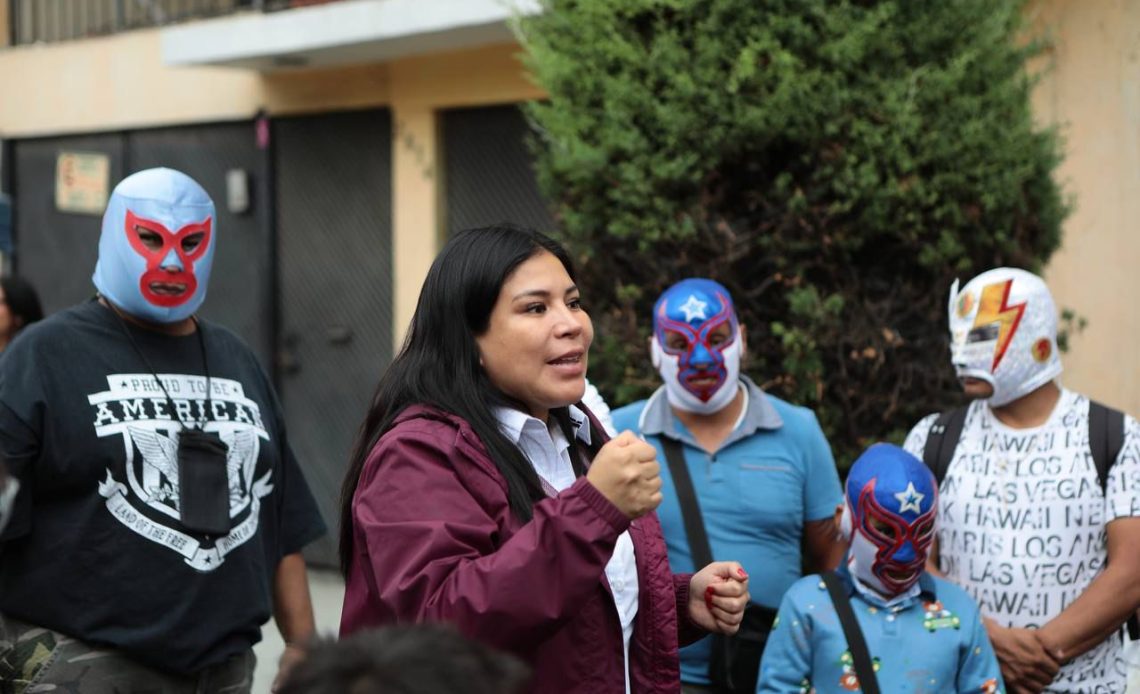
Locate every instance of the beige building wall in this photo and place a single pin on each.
(1091, 90)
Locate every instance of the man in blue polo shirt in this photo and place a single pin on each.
(923, 634)
(761, 469)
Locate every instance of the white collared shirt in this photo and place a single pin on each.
(549, 452)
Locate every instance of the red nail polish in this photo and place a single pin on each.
(742, 573)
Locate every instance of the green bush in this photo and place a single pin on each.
(834, 164)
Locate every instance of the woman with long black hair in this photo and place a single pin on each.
(483, 494)
(19, 307)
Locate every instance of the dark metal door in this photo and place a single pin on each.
(488, 171)
(56, 251)
(240, 295)
(334, 224)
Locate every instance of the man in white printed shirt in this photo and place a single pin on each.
(1026, 524)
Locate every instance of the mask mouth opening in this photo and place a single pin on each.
(167, 289)
(900, 574)
(172, 289)
(705, 380)
(964, 372)
(899, 577)
(705, 384)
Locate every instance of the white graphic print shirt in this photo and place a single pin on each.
(1021, 522)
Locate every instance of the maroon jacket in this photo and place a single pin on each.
(434, 540)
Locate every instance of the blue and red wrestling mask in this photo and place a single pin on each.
(157, 246)
(697, 345)
(888, 516)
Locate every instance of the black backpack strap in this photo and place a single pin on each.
(942, 441)
(687, 496)
(1106, 438)
(864, 668)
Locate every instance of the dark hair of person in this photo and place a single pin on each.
(23, 302)
(438, 364)
(420, 659)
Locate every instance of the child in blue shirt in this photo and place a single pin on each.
(923, 633)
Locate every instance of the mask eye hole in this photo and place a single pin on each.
(924, 530)
(191, 242)
(883, 528)
(720, 335)
(675, 341)
(985, 333)
(151, 239)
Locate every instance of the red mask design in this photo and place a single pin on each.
(902, 545)
(171, 240)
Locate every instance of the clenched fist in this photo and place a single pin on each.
(626, 472)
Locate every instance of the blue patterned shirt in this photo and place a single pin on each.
(926, 643)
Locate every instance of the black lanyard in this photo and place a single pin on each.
(205, 365)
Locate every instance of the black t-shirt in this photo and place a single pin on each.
(95, 548)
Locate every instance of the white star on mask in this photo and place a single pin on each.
(693, 308)
(910, 498)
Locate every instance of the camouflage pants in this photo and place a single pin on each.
(34, 660)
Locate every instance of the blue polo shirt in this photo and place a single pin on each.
(771, 475)
(930, 642)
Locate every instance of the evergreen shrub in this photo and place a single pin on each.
(835, 164)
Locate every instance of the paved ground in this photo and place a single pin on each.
(328, 593)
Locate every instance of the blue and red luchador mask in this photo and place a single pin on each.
(697, 345)
(157, 246)
(890, 506)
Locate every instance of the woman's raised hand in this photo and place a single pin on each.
(718, 595)
(626, 472)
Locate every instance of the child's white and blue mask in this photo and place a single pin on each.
(889, 517)
(701, 376)
(157, 246)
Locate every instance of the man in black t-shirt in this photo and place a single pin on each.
(160, 513)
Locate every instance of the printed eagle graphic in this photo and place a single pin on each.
(160, 455)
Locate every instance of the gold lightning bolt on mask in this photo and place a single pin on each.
(1003, 330)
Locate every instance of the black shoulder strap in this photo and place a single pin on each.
(942, 440)
(690, 509)
(1106, 438)
(864, 669)
(694, 524)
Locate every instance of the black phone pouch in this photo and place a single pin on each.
(204, 489)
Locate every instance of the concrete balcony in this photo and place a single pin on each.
(342, 33)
